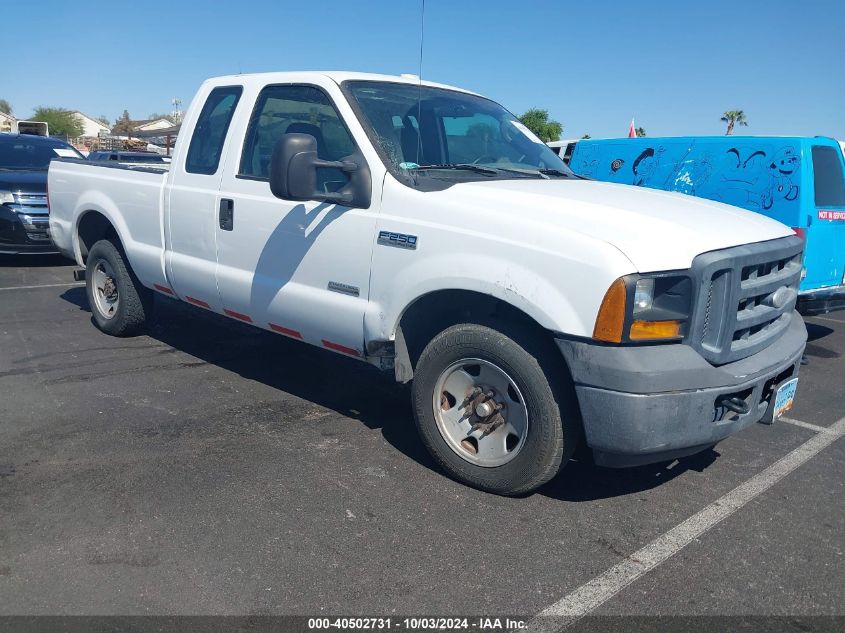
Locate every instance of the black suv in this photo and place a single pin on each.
(24, 217)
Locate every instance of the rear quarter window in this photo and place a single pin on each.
(210, 130)
(828, 180)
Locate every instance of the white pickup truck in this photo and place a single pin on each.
(424, 229)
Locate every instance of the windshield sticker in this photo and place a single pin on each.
(521, 127)
(65, 153)
(408, 165)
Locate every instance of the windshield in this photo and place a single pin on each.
(428, 132)
(20, 152)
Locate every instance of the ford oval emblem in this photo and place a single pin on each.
(782, 296)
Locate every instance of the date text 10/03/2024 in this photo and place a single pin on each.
(417, 623)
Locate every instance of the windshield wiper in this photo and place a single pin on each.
(457, 166)
(555, 172)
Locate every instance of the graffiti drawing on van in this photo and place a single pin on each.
(646, 164)
(783, 168)
(589, 162)
(756, 182)
(690, 175)
(747, 184)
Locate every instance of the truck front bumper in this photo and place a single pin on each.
(645, 404)
(821, 301)
(19, 239)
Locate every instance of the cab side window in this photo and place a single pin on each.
(295, 109)
(210, 130)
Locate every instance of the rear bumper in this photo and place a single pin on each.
(646, 404)
(821, 301)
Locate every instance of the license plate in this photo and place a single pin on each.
(785, 397)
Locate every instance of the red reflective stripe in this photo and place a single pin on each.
(340, 348)
(237, 315)
(197, 302)
(163, 289)
(285, 330)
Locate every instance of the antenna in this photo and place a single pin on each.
(419, 77)
(176, 102)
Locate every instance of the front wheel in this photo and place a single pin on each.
(119, 303)
(488, 407)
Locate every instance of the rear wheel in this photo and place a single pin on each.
(488, 407)
(119, 303)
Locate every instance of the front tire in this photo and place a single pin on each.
(487, 404)
(119, 303)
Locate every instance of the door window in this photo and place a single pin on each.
(210, 130)
(295, 109)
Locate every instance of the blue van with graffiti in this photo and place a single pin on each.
(796, 180)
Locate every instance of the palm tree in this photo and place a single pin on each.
(732, 118)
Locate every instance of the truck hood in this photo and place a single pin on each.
(34, 181)
(656, 230)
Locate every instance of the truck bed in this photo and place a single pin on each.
(130, 197)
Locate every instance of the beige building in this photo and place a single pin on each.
(152, 125)
(6, 122)
(90, 126)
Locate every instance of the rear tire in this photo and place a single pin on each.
(119, 303)
(532, 442)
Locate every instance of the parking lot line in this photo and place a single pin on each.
(806, 425)
(829, 319)
(602, 588)
(67, 285)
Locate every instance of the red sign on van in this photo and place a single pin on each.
(831, 215)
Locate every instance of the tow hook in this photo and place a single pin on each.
(735, 404)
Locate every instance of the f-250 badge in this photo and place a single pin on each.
(399, 240)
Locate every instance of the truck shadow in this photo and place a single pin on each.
(584, 481)
(816, 332)
(360, 391)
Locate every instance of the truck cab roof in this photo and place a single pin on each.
(338, 76)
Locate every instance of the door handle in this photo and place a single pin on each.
(227, 214)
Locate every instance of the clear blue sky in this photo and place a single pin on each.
(675, 66)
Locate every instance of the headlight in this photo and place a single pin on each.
(639, 308)
(6, 197)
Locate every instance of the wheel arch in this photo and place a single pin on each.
(430, 313)
(92, 226)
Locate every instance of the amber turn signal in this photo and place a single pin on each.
(651, 330)
(611, 317)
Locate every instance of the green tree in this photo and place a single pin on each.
(104, 120)
(537, 121)
(61, 121)
(732, 118)
(640, 131)
(586, 136)
(123, 125)
(5, 107)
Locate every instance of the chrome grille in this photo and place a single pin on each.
(33, 213)
(746, 298)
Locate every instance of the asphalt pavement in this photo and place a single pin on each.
(211, 468)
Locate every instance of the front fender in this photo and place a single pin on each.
(538, 296)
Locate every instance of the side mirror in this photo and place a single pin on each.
(293, 173)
